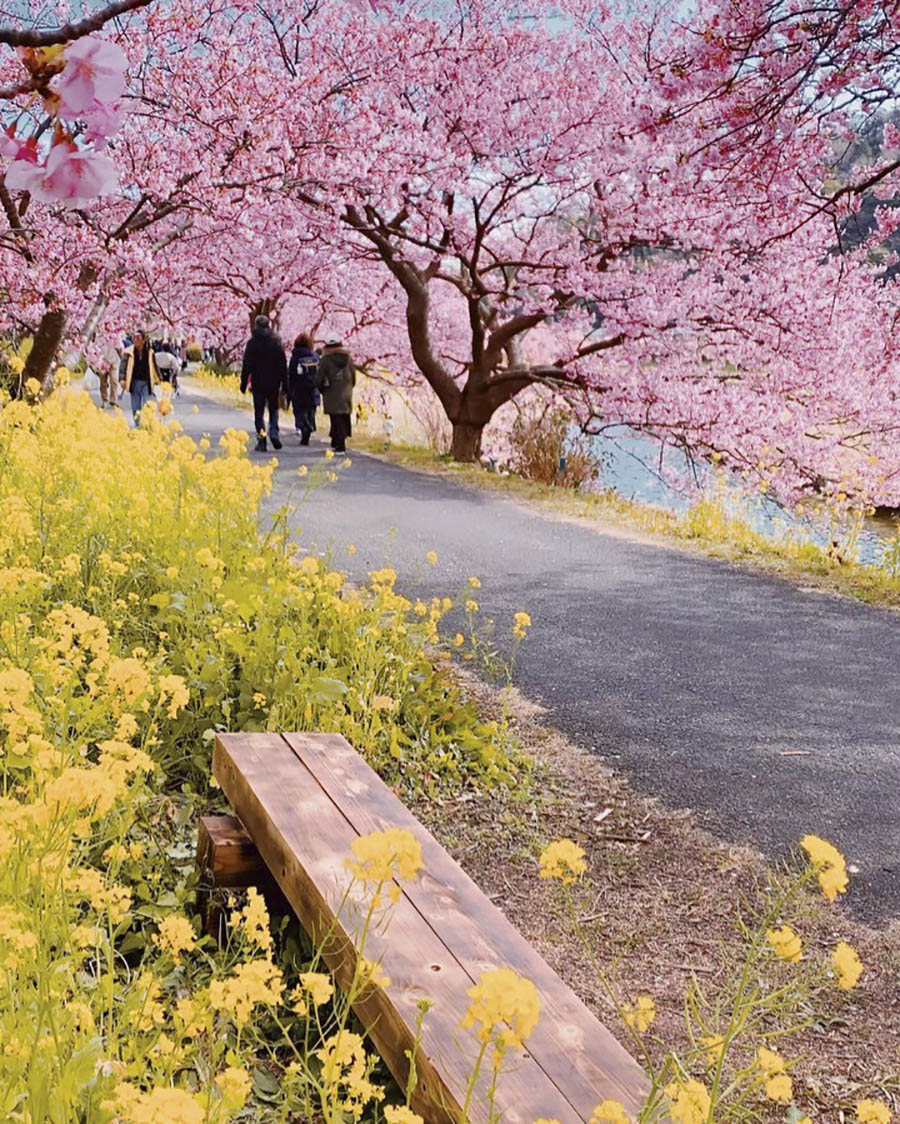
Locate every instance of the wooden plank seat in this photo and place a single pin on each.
(303, 799)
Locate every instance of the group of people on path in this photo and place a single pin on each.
(305, 381)
(142, 365)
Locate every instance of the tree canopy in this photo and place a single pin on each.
(639, 209)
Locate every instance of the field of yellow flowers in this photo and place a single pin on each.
(142, 608)
(140, 611)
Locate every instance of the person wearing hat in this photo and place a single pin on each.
(265, 370)
(336, 378)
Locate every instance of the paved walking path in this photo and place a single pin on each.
(769, 710)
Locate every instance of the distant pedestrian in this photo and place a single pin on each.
(336, 378)
(109, 372)
(141, 375)
(265, 370)
(304, 392)
(168, 364)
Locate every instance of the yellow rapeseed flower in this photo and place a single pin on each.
(521, 624)
(431, 557)
(505, 1008)
(713, 1046)
(847, 964)
(872, 1111)
(163, 1103)
(828, 863)
(253, 983)
(690, 1102)
(769, 1061)
(254, 920)
(780, 1088)
(563, 859)
(382, 856)
(785, 943)
(175, 935)
(474, 582)
(610, 1112)
(641, 1014)
(371, 975)
(316, 986)
(472, 605)
(234, 1085)
(402, 1115)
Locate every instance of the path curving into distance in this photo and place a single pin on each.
(769, 710)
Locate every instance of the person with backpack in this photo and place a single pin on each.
(336, 378)
(264, 369)
(168, 365)
(304, 392)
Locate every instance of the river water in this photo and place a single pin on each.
(640, 468)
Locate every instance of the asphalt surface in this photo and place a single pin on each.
(767, 709)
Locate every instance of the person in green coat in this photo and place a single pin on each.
(336, 378)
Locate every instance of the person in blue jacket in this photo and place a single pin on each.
(305, 396)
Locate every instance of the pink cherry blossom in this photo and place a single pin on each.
(102, 121)
(94, 73)
(70, 176)
(17, 148)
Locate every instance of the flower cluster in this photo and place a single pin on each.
(82, 81)
(564, 860)
(829, 865)
(382, 857)
(505, 1008)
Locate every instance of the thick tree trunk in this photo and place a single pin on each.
(265, 306)
(46, 343)
(466, 443)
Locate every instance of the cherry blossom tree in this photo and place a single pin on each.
(628, 246)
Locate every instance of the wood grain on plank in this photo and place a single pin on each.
(570, 1044)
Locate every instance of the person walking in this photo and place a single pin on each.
(336, 378)
(141, 375)
(264, 369)
(109, 372)
(168, 364)
(304, 392)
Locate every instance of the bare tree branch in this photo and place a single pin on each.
(32, 37)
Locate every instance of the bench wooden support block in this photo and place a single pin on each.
(304, 799)
(227, 853)
(227, 859)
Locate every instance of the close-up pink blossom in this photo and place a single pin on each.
(94, 73)
(70, 176)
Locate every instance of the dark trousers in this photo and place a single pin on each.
(304, 414)
(265, 398)
(340, 431)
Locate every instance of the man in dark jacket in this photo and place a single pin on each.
(336, 378)
(265, 369)
(302, 379)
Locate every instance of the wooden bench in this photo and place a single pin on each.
(303, 799)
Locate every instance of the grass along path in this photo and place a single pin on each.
(706, 528)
